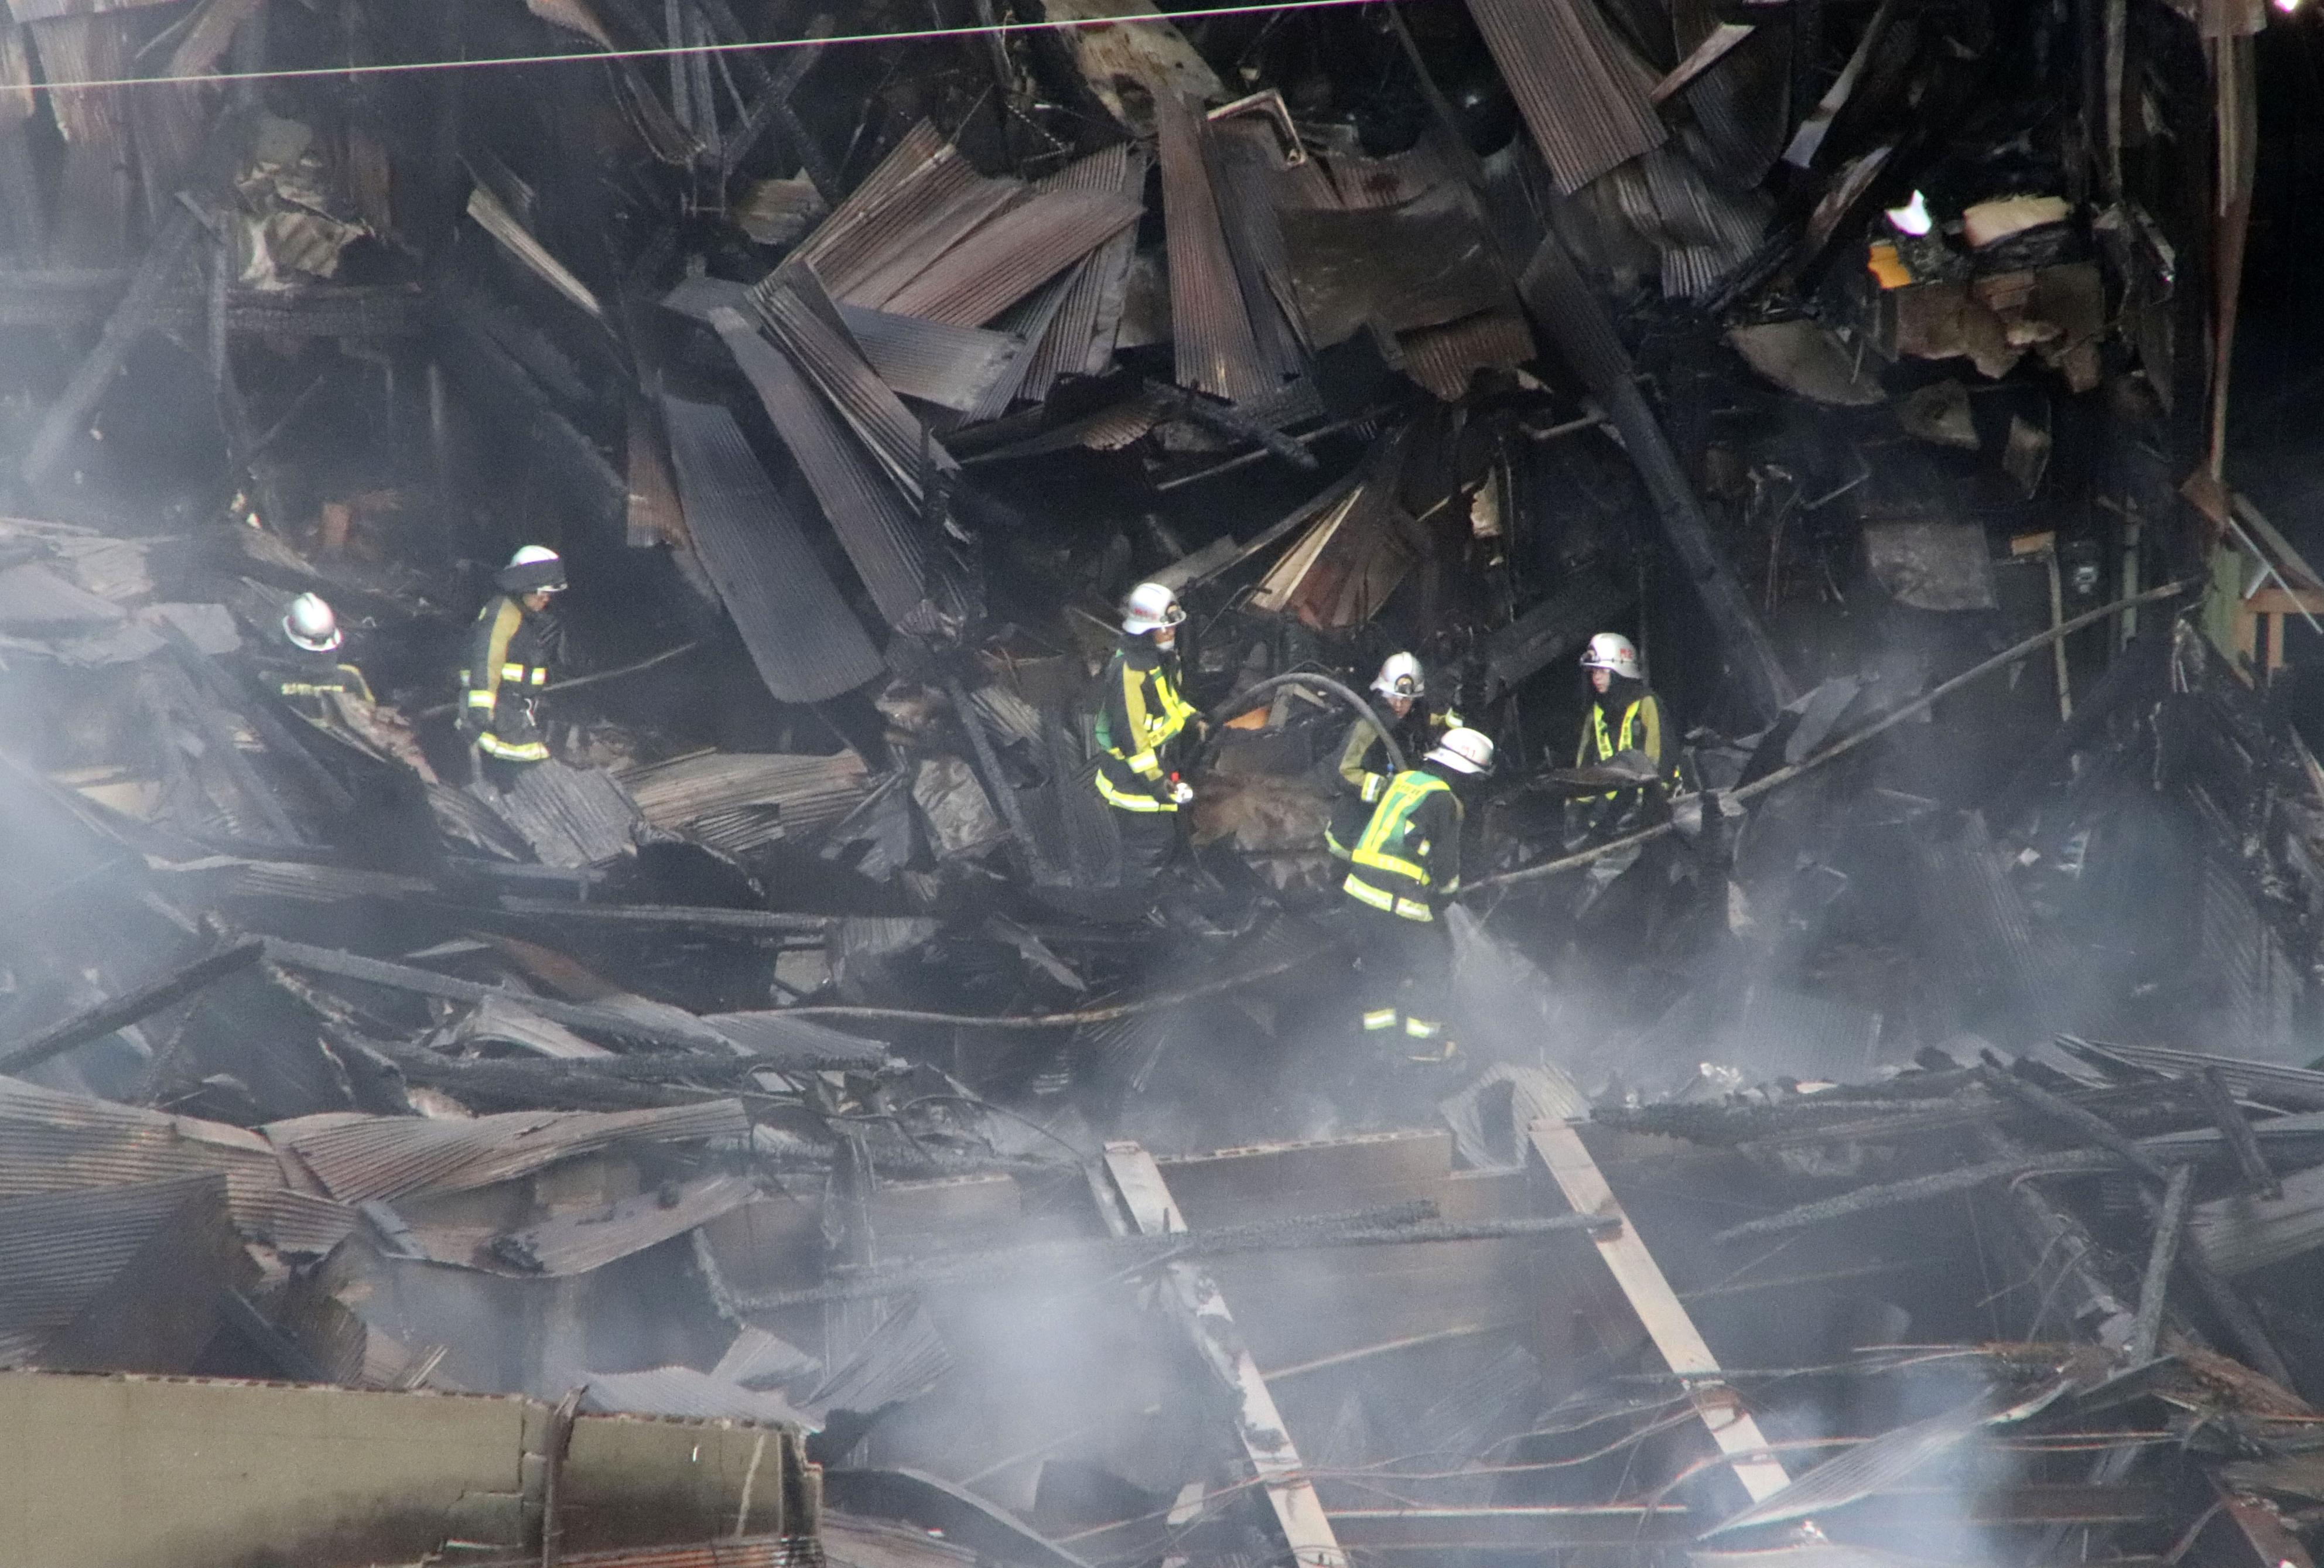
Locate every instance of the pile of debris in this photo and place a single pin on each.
(793, 1054)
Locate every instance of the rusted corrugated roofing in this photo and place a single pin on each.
(358, 1157)
(742, 1552)
(934, 232)
(880, 533)
(806, 643)
(1217, 351)
(1701, 232)
(55, 1142)
(293, 1222)
(1064, 349)
(806, 324)
(1443, 358)
(1582, 91)
(1013, 254)
(810, 792)
(922, 173)
(571, 816)
(782, 1039)
(59, 1249)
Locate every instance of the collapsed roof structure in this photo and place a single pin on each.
(775, 1130)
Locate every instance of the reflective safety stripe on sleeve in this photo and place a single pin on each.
(1125, 801)
(523, 752)
(1422, 1029)
(480, 699)
(512, 672)
(1374, 1022)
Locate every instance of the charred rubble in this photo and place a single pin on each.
(1916, 1154)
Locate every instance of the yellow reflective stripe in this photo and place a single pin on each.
(1421, 1030)
(480, 699)
(1124, 800)
(539, 677)
(512, 672)
(1389, 903)
(1144, 762)
(525, 752)
(1375, 786)
(1375, 1022)
(1394, 813)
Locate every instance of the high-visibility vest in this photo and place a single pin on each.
(1391, 871)
(1142, 713)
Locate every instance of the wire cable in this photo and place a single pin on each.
(745, 46)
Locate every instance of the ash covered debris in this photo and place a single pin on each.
(851, 736)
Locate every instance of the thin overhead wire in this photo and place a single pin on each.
(744, 46)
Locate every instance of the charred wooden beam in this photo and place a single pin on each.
(2146, 1332)
(1666, 1321)
(2088, 1124)
(2220, 1102)
(95, 1022)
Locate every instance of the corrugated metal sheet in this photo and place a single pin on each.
(1031, 319)
(1582, 93)
(293, 1222)
(1244, 160)
(1013, 254)
(571, 816)
(936, 232)
(880, 533)
(902, 1359)
(1977, 922)
(359, 1158)
(1072, 339)
(922, 175)
(55, 1142)
(810, 793)
(59, 1250)
(2299, 1088)
(788, 1041)
(954, 368)
(806, 643)
(1444, 358)
(2244, 956)
(504, 1021)
(2245, 1232)
(583, 1240)
(758, 1359)
(684, 1391)
(1217, 348)
(1701, 232)
(805, 323)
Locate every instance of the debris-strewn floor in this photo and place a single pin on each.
(1908, 1150)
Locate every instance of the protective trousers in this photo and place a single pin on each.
(1406, 969)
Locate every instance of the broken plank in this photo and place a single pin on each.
(1258, 1424)
(2146, 1331)
(2219, 1104)
(1658, 1308)
(92, 1023)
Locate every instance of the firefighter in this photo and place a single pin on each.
(1624, 715)
(303, 668)
(507, 665)
(1402, 689)
(1139, 723)
(1404, 869)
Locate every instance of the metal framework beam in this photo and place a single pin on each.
(1666, 1321)
(1258, 1424)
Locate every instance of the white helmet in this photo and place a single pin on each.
(1401, 677)
(310, 624)
(1612, 650)
(533, 570)
(1464, 751)
(1150, 607)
